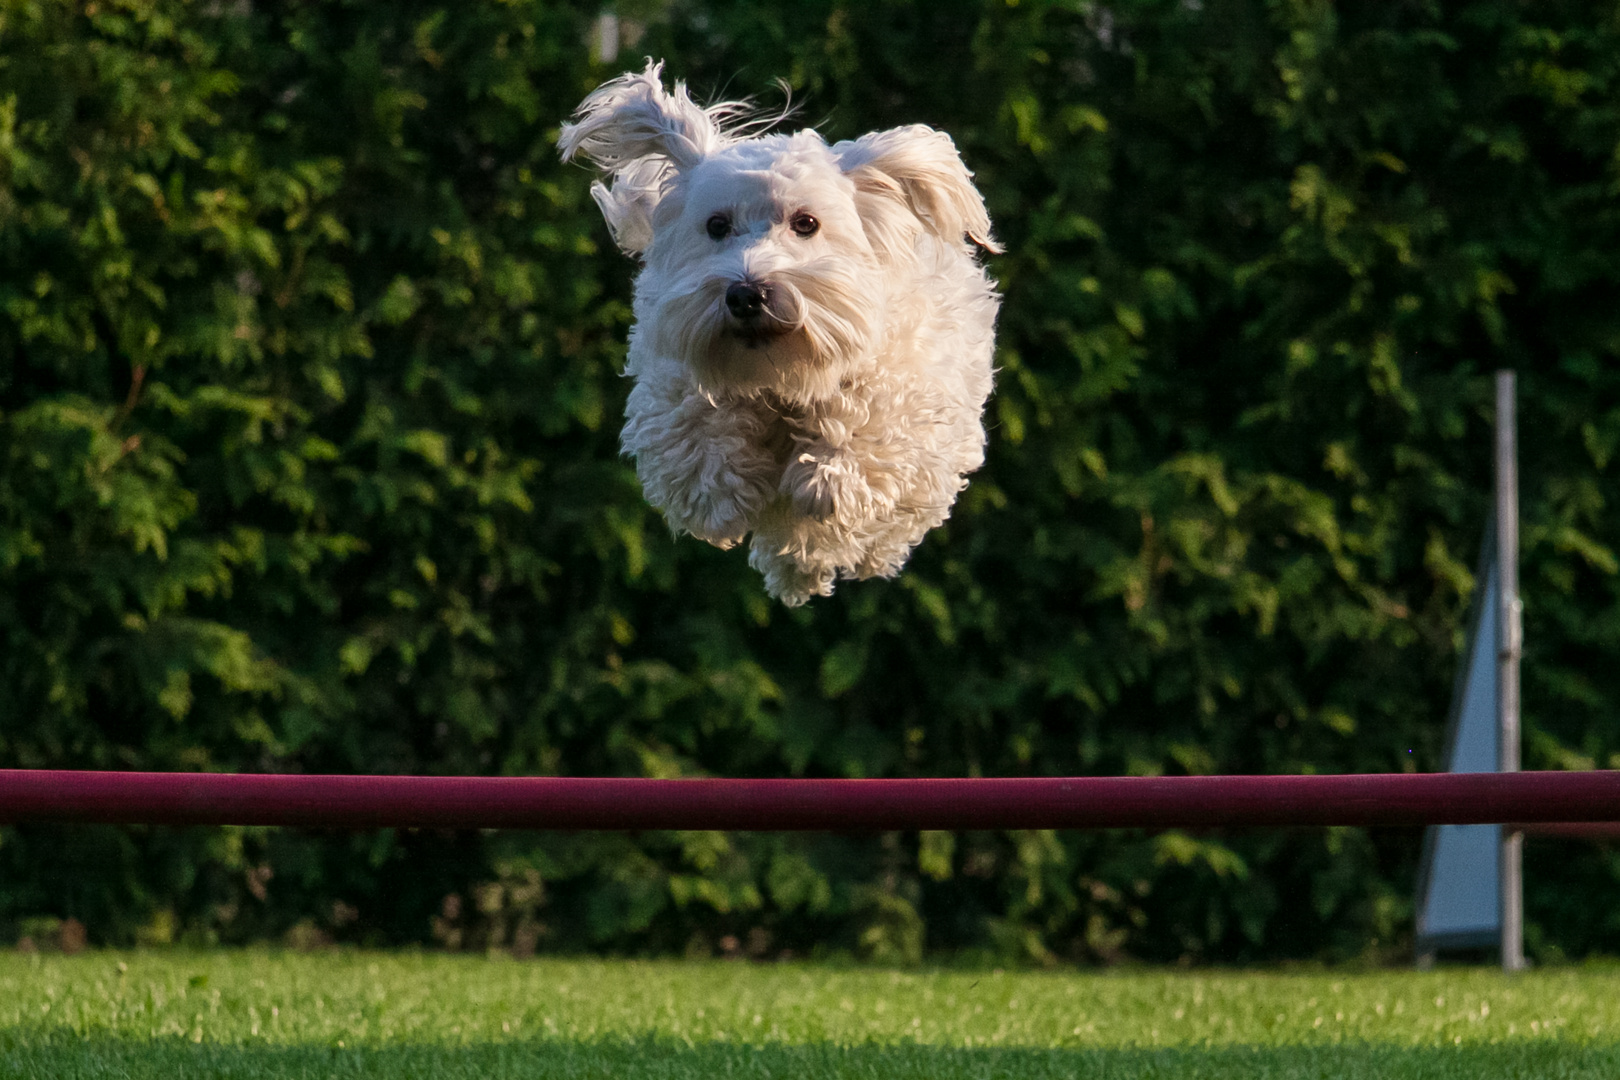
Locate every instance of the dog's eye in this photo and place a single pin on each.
(719, 227)
(804, 225)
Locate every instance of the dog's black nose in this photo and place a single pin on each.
(747, 301)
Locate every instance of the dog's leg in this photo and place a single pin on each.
(827, 485)
(706, 463)
(837, 472)
(873, 472)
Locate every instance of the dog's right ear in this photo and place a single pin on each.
(642, 135)
(633, 117)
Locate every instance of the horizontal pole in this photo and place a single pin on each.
(1568, 830)
(465, 802)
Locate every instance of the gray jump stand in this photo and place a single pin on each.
(1470, 895)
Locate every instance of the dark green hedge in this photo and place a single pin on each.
(308, 409)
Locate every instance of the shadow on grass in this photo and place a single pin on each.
(28, 1056)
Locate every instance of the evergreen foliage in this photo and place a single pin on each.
(308, 416)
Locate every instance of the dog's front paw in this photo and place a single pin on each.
(720, 514)
(715, 493)
(827, 488)
(722, 523)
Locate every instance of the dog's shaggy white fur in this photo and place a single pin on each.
(813, 335)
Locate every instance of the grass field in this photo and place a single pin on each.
(260, 1014)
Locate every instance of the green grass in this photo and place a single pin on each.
(260, 1014)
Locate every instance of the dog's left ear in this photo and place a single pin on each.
(920, 167)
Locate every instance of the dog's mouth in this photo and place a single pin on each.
(755, 335)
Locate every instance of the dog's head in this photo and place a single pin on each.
(770, 260)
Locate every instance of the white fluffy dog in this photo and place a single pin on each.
(813, 335)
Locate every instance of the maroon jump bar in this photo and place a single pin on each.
(361, 802)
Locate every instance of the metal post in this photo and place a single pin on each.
(1509, 635)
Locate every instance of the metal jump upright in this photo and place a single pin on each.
(1510, 634)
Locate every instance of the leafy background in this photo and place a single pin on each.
(308, 407)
